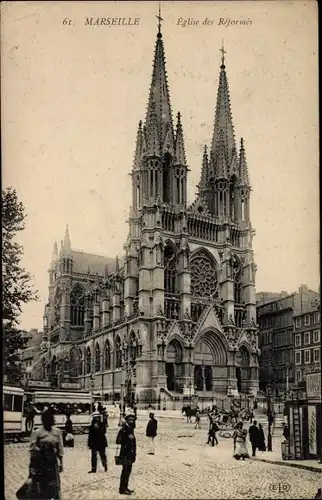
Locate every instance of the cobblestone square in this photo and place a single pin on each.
(184, 467)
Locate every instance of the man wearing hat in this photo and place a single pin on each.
(151, 431)
(97, 441)
(127, 442)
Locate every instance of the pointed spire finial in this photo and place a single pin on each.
(223, 52)
(159, 18)
(117, 265)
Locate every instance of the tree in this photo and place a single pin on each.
(17, 289)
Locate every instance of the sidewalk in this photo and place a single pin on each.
(274, 457)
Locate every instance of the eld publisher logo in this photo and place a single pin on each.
(280, 487)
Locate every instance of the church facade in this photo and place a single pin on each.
(176, 314)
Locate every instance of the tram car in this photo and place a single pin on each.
(13, 408)
(76, 404)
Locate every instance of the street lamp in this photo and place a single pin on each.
(269, 417)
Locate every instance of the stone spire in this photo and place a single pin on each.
(223, 127)
(139, 148)
(179, 144)
(204, 170)
(153, 133)
(55, 252)
(117, 265)
(221, 157)
(243, 169)
(159, 108)
(66, 244)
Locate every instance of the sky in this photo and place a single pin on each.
(73, 94)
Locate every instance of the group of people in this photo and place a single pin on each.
(47, 450)
(256, 437)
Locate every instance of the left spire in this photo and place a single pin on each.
(159, 115)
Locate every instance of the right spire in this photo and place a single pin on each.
(223, 127)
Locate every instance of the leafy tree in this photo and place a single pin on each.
(17, 289)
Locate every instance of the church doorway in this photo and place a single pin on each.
(174, 366)
(243, 369)
(169, 370)
(210, 360)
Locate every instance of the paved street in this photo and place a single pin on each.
(184, 467)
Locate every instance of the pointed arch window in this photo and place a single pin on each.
(97, 358)
(204, 279)
(107, 355)
(77, 305)
(88, 360)
(170, 269)
(118, 353)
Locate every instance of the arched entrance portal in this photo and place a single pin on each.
(242, 369)
(210, 360)
(174, 366)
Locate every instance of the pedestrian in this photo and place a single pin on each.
(261, 438)
(254, 437)
(68, 435)
(188, 414)
(197, 421)
(212, 433)
(97, 442)
(151, 432)
(46, 458)
(127, 442)
(239, 437)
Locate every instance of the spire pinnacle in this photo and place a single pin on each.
(223, 52)
(159, 108)
(223, 127)
(66, 244)
(55, 252)
(179, 143)
(204, 170)
(159, 20)
(139, 148)
(117, 265)
(243, 168)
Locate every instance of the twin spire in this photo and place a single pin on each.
(157, 135)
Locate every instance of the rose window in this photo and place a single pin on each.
(203, 277)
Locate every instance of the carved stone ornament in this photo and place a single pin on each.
(231, 320)
(187, 314)
(160, 311)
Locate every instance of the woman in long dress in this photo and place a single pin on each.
(46, 458)
(240, 448)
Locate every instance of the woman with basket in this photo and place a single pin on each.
(126, 455)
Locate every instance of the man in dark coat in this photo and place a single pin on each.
(97, 441)
(151, 431)
(212, 433)
(126, 440)
(254, 437)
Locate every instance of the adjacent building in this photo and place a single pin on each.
(307, 344)
(31, 353)
(176, 314)
(275, 317)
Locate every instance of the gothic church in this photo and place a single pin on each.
(176, 315)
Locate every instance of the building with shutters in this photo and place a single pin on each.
(176, 315)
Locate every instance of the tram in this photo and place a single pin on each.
(13, 407)
(76, 404)
(22, 410)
